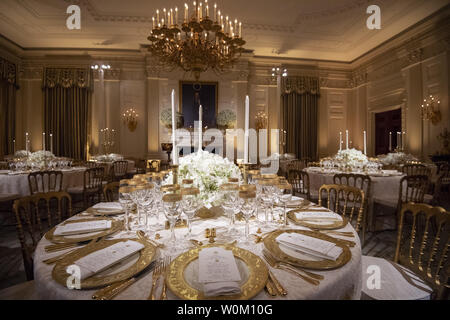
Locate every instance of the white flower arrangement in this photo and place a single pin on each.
(22, 154)
(226, 118)
(166, 118)
(396, 158)
(40, 158)
(351, 158)
(109, 157)
(209, 171)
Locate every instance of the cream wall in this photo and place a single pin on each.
(395, 75)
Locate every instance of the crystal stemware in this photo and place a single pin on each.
(171, 205)
(229, 193)
(285, 195)
(247, 204)
(126, 203)
(191, 203)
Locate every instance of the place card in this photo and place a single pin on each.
(316, 214)
(309, 245)
(82, 227)
(101, 260)
(217, 265)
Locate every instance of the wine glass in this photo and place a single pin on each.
(126, 203)
(229, 193)
(171, 205)
(267, 197)
(247, 204)
(284, 195)
(144, 199)
(191, 202)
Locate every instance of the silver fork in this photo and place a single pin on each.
(164, 289)
(156, 274)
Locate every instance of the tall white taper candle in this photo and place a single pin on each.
(174, 128)
(340, 140)
(200, 128)
(390, 141)
(247, 118)
(51, 142)
(365, 142)
(43, 140)
(346, 139)
(26, 142)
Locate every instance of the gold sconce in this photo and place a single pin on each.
(261, 120)
(130, 119)
(430, 110)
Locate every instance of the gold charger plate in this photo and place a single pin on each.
(146, 255)
(325, 264)
(115, 226)
(255, 282)
(331, 226)
(97, 212)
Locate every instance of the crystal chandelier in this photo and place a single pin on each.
(200, 43)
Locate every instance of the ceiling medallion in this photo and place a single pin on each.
(200, 43)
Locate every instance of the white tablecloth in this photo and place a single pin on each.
(18, 183)
(341, 283)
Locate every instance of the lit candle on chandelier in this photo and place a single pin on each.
(186, 12)
(215, 12)
(157, 16)
(176, 15)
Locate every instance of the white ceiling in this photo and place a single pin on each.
(309, 29)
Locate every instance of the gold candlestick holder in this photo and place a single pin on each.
(174, 168)
(245, 167)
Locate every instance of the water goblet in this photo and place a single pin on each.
(285, 195)
(247, 204)
(171, 205)
(229, 193)
(126, 202)
(191, 203)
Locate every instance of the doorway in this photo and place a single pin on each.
(385, 122)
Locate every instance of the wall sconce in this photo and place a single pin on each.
(430, 110)
(277, 71)
(130, 119)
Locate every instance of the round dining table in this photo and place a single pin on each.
(340, 283)
(12, 182)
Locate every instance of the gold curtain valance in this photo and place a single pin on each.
(8, 71)
(300, 85)
(68, 78)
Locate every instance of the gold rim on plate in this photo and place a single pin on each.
(115, 226)
(331, 226)
(325, 264)
(105, 212)
(258, 274)
(146, 255)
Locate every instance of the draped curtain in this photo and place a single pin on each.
(8, 87)
(67, 98)
(299, 113)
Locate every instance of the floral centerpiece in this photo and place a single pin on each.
(209, 171)
(40, 159)
(351, 158)
(396, 158)
(22, 154)
(226, 119)
(109, 157)
(166, 119)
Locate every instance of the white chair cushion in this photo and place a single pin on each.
(393, 286)
(75, 190)
(9, 196)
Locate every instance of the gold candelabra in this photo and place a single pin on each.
(430, 110)
(108, 139)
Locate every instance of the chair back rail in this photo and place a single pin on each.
(45, 181)
(423, 242)
(111, 191)
(35, 215)
(299, 180)
(416, 169)
(344, 200)
(93, 178)
(120, 169)
(412, 189)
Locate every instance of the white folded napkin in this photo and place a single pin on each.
(108, 206)
(218, 272)
(308, 245)
(101, 260)
(82, 227)
(317, 214)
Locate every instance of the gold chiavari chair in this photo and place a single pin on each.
(412, 189)
(35, 215)
(346, 201)
(362, 182)
(111, 191)
(119, 170)
(421, 254)
(45, 181)
(313, 164)
(416, 169)
(442, 186)
(299, 180)
(92, 186)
